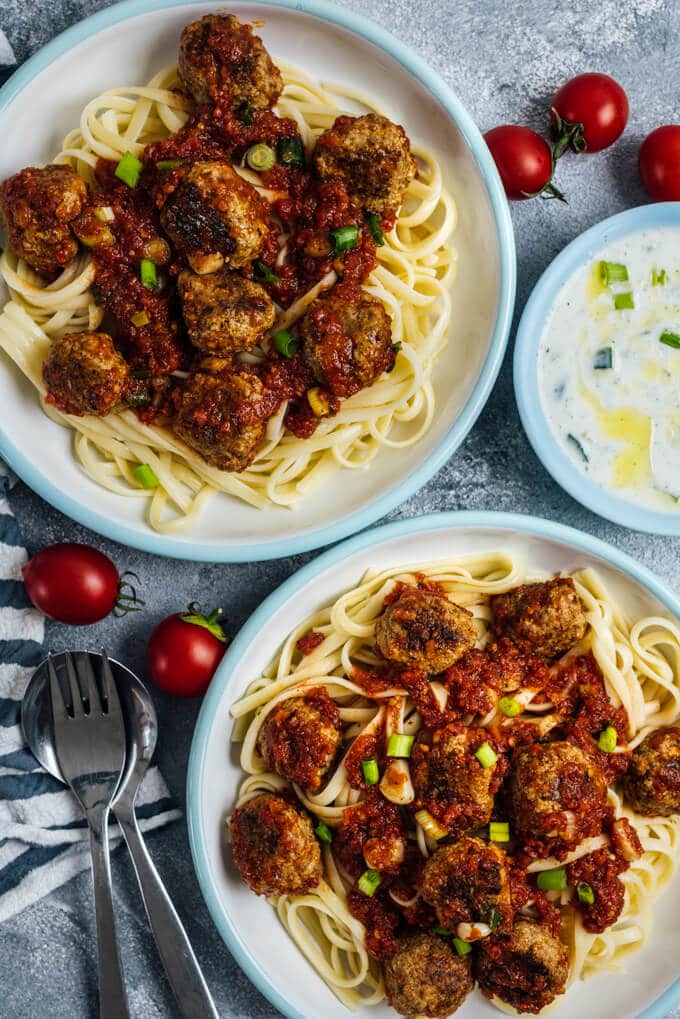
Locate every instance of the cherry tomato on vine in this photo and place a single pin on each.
(659, 163)
(184, 652)
(588, 114)
(77, 584)
(524, 161)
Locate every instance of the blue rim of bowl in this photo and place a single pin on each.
(552, 455)
(257, 623)
(177, 547)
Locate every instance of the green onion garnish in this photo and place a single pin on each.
(622, 302)
(376, 229)
(323, 832)
(659, 278)
(169, 164)
(245, 114)
(399, 745)
(369, 882)
(499, 831)
(260, 157)
(148, 274)
(486, 755)
(444, 931)
(509, 707)
(285, 343)
(670, 339)
(344, 238)
(146, 476)
(606, 741)
(128, 170)
(581, 451)
(140, 318)
(585, 893)
(494, 918)
(264, 273)
(370, 771)
(604, 358)
(462, 947)
(553, 880)
(613, 272)
(290, 152)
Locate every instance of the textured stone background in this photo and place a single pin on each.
(505, 61)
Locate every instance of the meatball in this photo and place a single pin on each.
(85, 374)
(425, 631)
(220, 417)
(300, 738)
(546, 619)
(467, 883)
(557, 795)
(38, 205)
(425, 977)
(224, 312)
(220, 57)
(347, 340)
(274, 848)
(450, 782)
(652, 783)
(215, 218)
(526, 968)
(371, 157)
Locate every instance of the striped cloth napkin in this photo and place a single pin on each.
(43, 836)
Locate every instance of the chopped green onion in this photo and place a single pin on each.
(376, 229)
(581, 451)
(323, 832)
(169, 164)
(344, 238)
(604, 358)
(369, 882)
(290, 152)
(486, 755)
(607, 739)
(370, 770)
(245, 114)
(670, 339)
(128, 170)
(553, 880)
(462, 947)
(318, 400)
(659, 279)
(613, 272)
(285, 343)
(431, 827)
(146, 476)
(585, 893)
(622, 302)
(499, 831)
(494, 918)
(140, 318)
(399, 745)
(104, 213)
(264, 273)
(444, 931)
(260, 157)
(509, 707)
(148, 274)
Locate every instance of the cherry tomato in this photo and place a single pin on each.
(184, 651)
(588, 113)
(524, 161)
(659, 163)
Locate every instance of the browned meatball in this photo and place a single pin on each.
(546, 619)
(424, 631)
(371, 156)
(467, 883)
(652, 783)
(347, 340)
(38, 205)
(224, 312)
(219, 417)
(300, 738)
(220, 57)
(274, 848)
(85, 374)
(448, 779)
(557, 794)
(426, 977)
(526, 968)
(215, 218)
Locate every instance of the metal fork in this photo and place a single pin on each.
(89, 742)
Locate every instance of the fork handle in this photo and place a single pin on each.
(113, 1003)
(181, 966)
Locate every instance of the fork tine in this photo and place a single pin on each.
(110, 688)
(74, 687)
(88, 682)
(59, 713)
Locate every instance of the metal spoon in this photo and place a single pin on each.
(141, 723)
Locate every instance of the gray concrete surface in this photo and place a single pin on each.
(504, 60)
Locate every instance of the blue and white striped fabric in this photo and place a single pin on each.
(43, 836)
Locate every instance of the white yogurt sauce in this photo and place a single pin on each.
(620, 425)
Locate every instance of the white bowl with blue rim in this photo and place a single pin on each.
(566, 466)
(127, 44)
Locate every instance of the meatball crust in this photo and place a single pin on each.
(425, 977)
(38, 205)
(467, 882)
(527, 968)
(215, 218)
(557, 795)
(652, 783)
(219, 416)
(371, 157)
(221, 57)
(450, 782)
(85, 374)
(423, 630)
(347, 340)
(224, 312)
(274, 848)
(546, 619)
(300, 738)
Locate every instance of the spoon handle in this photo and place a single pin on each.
(180, 963)
(112, 996)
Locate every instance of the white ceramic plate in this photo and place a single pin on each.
(127, 44)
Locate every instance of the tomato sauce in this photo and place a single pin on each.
(381, 920)
(376, 827)
(601, 871)
(309, 642)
